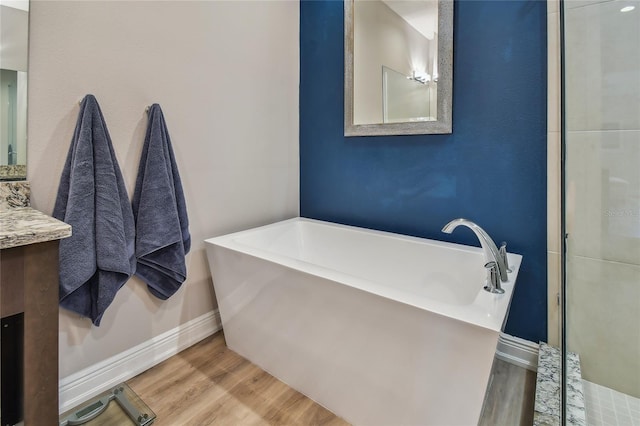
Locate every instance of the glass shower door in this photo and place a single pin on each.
(601, 137)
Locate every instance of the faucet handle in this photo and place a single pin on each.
(503, 255)
(493, 278)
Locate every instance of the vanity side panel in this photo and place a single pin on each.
(11, 281)
(41, 334)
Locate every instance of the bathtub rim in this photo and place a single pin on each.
(488, 310)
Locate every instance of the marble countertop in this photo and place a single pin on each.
(20, 226)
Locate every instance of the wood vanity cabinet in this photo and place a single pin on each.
(29, 287)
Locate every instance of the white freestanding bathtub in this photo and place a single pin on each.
(379, 328)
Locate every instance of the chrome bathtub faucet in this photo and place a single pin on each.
(494, 258)
(493, 278)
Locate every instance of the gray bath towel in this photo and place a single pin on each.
(99, 257)
(162, 226)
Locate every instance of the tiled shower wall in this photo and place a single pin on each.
(603, 190)
(553, 172)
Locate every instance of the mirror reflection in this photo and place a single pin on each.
(406, 98)
(395, 49)
(14, 30)
(398, 67)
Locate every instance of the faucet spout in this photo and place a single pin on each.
(489, 248)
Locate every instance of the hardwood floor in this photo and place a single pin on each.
(510, 397)
(209, 384)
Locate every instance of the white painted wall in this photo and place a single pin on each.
(226, 74)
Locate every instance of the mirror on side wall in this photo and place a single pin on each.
(14, 34)
(398, 67)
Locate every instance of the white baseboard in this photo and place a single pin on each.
(520, 352)
(91, 381)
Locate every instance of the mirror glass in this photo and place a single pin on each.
(14, 34)
(398, 67)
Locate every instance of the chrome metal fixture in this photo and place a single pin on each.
(420, 77)
(493, 278)
(491, 253)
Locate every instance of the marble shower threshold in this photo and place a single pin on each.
(547, 404)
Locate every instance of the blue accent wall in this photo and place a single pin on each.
(491, 169)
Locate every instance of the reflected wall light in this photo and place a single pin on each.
(420, 77)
